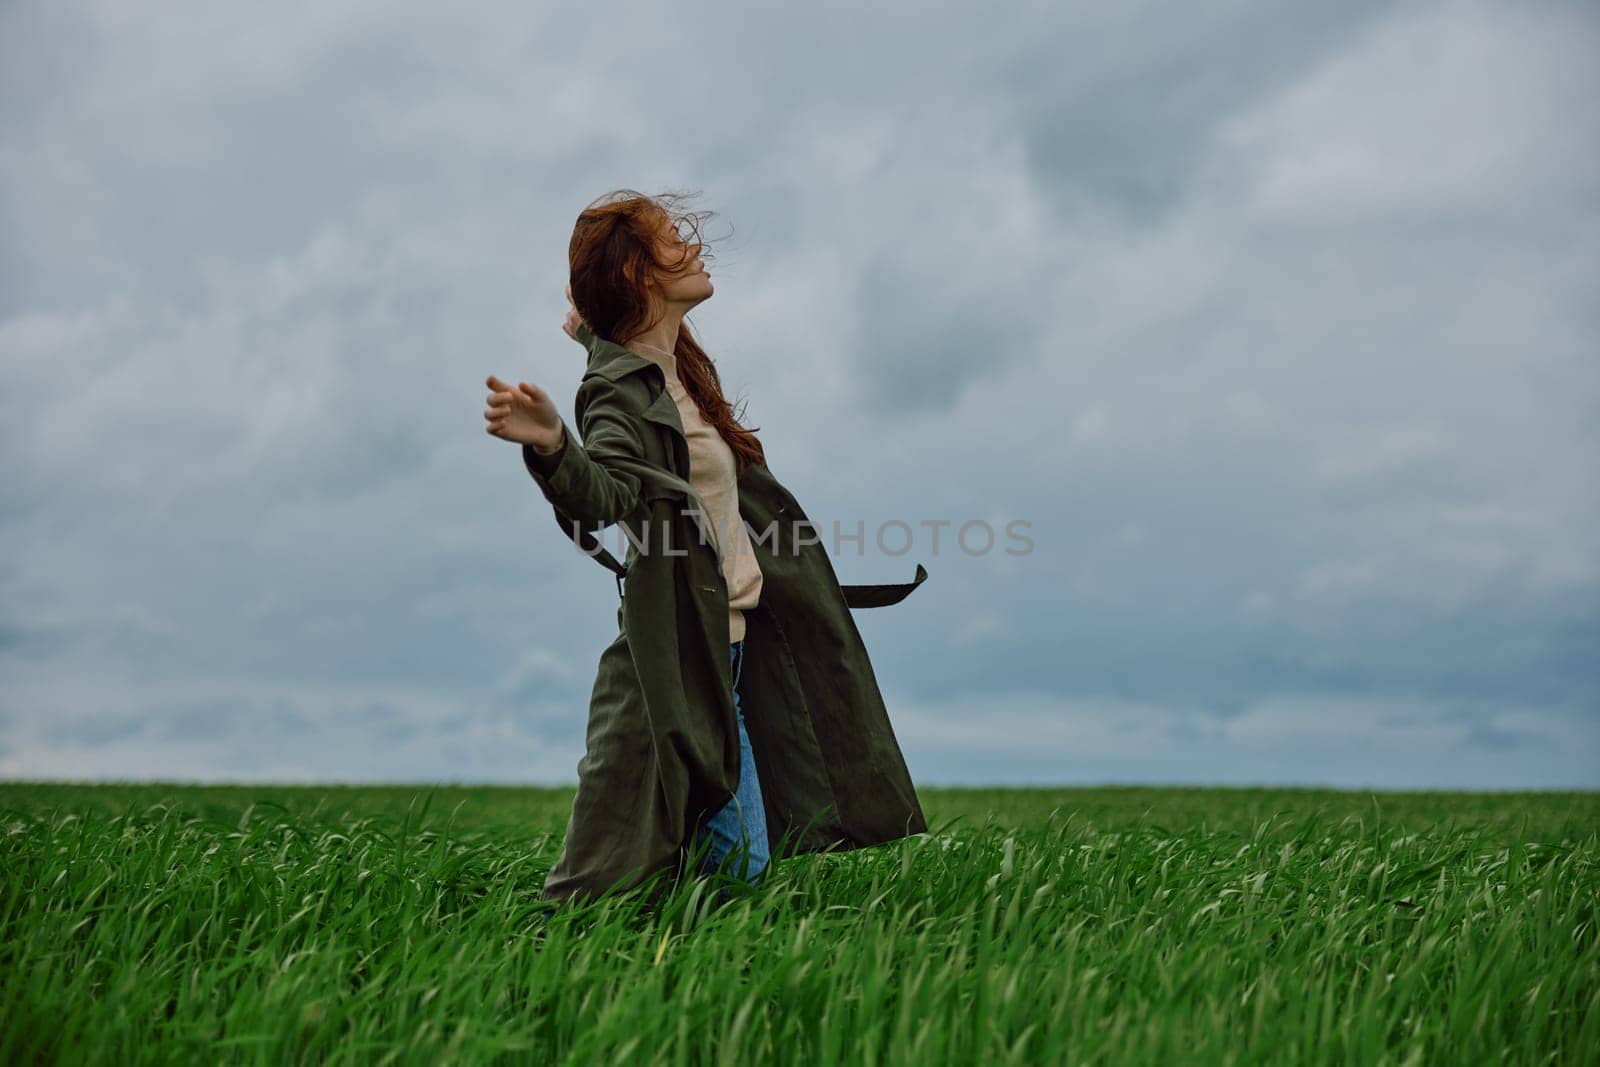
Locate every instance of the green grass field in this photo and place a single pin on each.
(158, 923)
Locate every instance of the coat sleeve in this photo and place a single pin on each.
(581, 480)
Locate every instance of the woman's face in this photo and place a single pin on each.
(688, 283)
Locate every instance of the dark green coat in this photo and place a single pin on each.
(662, 745)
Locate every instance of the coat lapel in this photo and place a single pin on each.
(613, 362)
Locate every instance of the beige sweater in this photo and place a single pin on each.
(713, 473)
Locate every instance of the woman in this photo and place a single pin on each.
(712, 621)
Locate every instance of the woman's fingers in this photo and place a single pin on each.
(508, 405)
(506, 400)
(502, 402)
(570, 324)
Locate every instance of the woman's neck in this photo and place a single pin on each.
(662, 335)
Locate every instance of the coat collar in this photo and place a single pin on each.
(610, 360)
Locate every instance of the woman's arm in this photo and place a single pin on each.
(579, 479)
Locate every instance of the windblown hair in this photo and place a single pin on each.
(615, 249)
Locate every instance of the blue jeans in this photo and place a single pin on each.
(740, 828)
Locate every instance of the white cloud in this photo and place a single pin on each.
(1444, 111)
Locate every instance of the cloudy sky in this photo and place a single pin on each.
(1276, 323)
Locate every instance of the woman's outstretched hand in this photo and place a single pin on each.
(524, 414)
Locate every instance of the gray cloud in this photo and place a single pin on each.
(1274, 322)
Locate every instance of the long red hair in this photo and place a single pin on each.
(615, 249)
